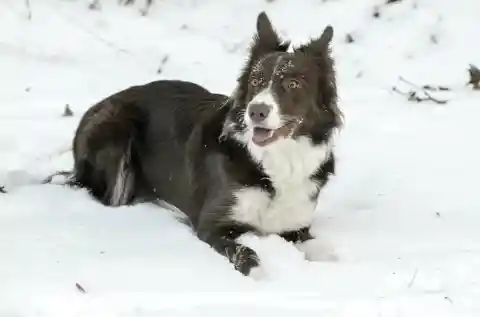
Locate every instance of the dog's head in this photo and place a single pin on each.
(282, 94)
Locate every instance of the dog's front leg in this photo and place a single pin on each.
(222, 239)
(314, 248)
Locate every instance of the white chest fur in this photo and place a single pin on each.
(289, 164)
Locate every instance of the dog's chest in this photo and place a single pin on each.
(289, 167)
(291, 208)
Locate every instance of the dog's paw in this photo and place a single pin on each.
(317, 250)
(246, 261)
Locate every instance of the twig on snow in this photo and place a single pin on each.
(448, 299)
(162, 64)
(435, 88)
(349, 38)
(67, 112)
(414, 95)
(94, 5)
(148, 4)
(2, 190)
(425, 87)
(474, 72)
(80, 288)
(29, 9)
(67, 174)
(412, 280)
(126, 2)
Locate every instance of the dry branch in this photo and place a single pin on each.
(474, 72)
(162, 64)
(414, 276)
(80, 288)
(94, 5)
(67, 174)
(420, 93)
(29, 9)
(67, 112)
(349, 38)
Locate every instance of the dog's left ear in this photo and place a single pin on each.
(319, 50)
(320, 44)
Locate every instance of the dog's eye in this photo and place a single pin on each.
(254, 82)
(293, 84)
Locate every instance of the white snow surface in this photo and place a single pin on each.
(402, 213)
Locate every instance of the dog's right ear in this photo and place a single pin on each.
(265, 29)
(267, 39)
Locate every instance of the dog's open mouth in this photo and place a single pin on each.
(264, 136)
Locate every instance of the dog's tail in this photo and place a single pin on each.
(104, 155)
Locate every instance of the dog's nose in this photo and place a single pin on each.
(258, 112)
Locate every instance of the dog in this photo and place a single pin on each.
(251, 162)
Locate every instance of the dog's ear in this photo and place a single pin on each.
(265, 31)
(320, 51)
(267, 39)
(264, 26)
(320, 44)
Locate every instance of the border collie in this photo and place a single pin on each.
(254, 161)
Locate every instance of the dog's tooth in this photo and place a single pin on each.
(270, 134)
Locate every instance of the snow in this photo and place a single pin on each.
(402, 214)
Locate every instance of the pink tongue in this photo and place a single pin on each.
(261, 135)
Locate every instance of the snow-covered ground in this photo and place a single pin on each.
(403, 212)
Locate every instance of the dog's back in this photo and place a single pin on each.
(138, 134)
